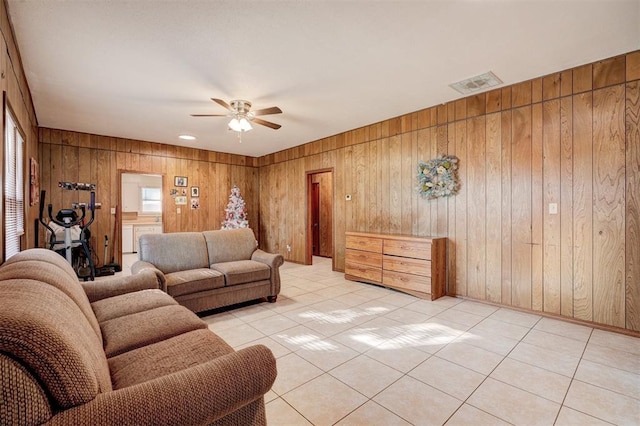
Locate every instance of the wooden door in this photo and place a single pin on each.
(315, 218)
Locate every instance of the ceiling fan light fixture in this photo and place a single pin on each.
(240, 124)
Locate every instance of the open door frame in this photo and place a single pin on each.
(118, 257)
(308, 258)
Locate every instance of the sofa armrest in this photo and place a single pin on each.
(141, 265)
(273, 260)
(198, 395)
(102, 289)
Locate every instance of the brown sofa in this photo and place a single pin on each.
(116, 352)
(211, 269)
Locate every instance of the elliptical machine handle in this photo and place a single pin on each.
(52, 233)
(92, 208)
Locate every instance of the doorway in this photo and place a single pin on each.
(320, 214)
(140, 212)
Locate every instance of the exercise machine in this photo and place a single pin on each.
(75, 230)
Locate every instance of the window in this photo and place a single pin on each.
(151, 200)
(13, 187)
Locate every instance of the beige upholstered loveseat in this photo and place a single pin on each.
(116, 352)
(211, 269)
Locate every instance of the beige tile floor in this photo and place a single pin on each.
(356, 354)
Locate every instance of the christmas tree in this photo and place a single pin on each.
(235, 214)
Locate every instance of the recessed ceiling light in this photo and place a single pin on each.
(477, 83)
(187, 137)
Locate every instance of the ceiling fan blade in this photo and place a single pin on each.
(267, 111)
(208, 115)
(222, 103)
(266, 123)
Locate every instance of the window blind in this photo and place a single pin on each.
(14, 187)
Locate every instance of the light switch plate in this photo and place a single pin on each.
(553, 208)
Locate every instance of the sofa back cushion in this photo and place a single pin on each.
(172, 252)
(49, 267)
(227, 245)
(43, 329)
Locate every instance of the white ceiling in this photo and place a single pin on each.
(137, 69)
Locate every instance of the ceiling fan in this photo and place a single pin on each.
(241, 115)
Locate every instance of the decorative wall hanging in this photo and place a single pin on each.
(437, 177)
(195, 191)
(180, 201)
(34, 182)
(180, 181)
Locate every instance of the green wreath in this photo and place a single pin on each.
(438, 177)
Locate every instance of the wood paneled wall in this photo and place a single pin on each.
(16, 92)
(571, 138)
(81, 157)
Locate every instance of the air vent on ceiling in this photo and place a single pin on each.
(477, 83)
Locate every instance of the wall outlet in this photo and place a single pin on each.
(113, 210)
(553, 208)
(288, 248)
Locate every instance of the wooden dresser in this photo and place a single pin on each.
(415, 265)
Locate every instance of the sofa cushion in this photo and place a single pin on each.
(226, 245)
(166, 357)
(45, 329)
(144, 328)
(193, 281)
(49, 267)
(130, 303)
(178, 251)
(243, 271)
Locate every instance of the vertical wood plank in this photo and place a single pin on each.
(461, 237)
(566, 205)
(395, 190)
(385, 204)
(583, 206)
(451, 231)
(537, 207)
(551, 183)
(632, 298)
(424, 207)
(521, 207)
(506, 250)
(493, 167)
(477, 208)
(609, 212)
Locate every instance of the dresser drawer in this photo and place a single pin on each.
(407, 264)
(358, 242)
(414, 249)
(404, 281)
(363, 257)
(363, 272)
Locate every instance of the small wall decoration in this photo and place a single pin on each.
(195, 191)
(181, 201)
(438, 177)
(195, 203)
(183, 192)
(180, 181)
(34, 182)
(173, 193)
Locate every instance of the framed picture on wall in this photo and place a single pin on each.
(195, 191)
(180, 181)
